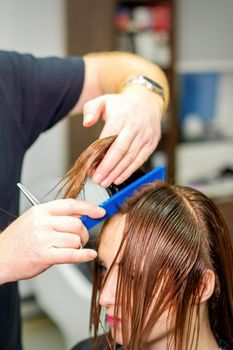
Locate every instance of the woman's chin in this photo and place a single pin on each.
(118, 337)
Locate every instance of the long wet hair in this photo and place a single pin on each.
(172, 235)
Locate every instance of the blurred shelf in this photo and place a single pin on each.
(140, 2)
(218, 189)
(210, 142)
(204, 66)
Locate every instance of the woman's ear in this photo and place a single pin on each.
(207, 285)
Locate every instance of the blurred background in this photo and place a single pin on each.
(192, 42)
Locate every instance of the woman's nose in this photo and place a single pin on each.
(108, 294)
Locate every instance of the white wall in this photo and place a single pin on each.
(38, 27)
(33, 26)
(204, 30)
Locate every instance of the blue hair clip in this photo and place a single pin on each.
(112, 204)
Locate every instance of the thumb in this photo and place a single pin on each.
(93, 110)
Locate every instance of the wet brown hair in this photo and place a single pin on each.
(177, 233)
(84, 166)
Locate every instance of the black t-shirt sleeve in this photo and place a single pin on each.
(39, 91)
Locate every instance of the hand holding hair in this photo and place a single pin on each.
(131, 111)
(134, 115)
(43, 236)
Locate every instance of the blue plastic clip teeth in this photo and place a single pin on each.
(111, 205)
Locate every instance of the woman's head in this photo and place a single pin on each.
(169, 262)
(165, 263)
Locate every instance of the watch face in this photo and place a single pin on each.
(148, 83)
(153, 83)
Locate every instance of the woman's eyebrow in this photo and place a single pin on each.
(101, 260)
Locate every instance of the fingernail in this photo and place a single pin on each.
(105, 183)
(101, 210)
(97, 178)
(87, 119)
(93, 254)
(118, 181)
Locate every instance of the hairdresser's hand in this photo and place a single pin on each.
(43, 236)
(134, 115)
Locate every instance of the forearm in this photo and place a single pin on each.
(116, 68)
(108, 72)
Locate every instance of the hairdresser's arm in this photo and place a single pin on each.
(43, 236)
(132, 112)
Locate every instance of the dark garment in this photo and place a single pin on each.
(88, 345)
(34, 95)
(224, 345)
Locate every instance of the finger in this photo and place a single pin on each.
(93, 110)
(67, 240)
(110, 128)
(72, 225)
(74, 207)
(115, 153)
(69, 256)
(127, 160)
(139, 160)
(149, 142)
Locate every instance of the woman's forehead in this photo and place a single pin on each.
(111, 236)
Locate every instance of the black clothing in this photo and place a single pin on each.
(88, 343)
(224, 345)
(34, 95)
(102, 345)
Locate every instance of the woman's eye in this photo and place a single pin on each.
(102, 269)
